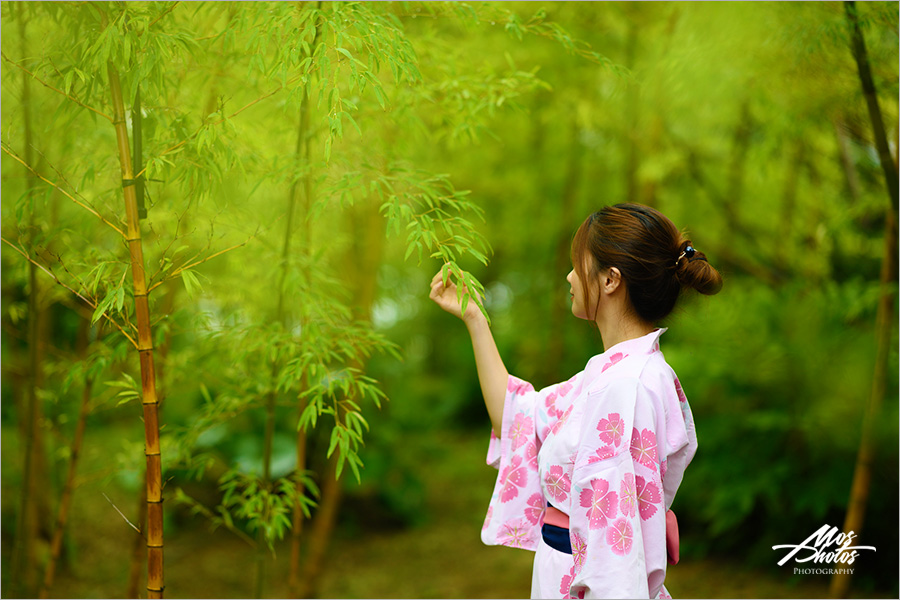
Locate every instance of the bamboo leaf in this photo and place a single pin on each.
(191, 283)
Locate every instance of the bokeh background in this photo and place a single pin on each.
(306, 168)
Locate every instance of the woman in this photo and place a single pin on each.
(588, 468)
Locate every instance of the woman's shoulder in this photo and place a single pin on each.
(639, 370)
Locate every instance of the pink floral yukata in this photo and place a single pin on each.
(608, 448)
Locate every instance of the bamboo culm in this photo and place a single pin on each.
(149, 399)
(862, 475)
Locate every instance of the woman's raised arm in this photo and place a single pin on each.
(492, 373)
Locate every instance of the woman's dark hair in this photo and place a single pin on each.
(655, 260)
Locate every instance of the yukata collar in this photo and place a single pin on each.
(646, 344)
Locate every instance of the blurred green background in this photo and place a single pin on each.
(309, 166)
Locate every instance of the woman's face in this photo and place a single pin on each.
(576, 292)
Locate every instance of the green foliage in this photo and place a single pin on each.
(309, 167)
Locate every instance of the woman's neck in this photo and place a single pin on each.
(620, 328)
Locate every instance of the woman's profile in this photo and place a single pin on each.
(588, 468)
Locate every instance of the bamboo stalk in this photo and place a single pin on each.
(74, 453)
(362, 261)
(322, 526)
(281, 318)
(862, 475)
(24, 561)
(150, 402)
(868, 87)
(297, 525)
(302, 151)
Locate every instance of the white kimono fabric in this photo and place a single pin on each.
(608, 448)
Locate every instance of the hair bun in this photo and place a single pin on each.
(693, 270)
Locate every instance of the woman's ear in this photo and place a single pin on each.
(611, 280)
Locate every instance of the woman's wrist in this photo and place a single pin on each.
(474, 318)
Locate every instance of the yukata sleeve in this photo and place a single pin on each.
(516, 504)
(617, 520)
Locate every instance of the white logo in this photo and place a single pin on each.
(827, 545)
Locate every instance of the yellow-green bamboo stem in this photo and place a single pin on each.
(862, 475)
(24, 564)
(297, 526)
(150, 402)
(302, 151)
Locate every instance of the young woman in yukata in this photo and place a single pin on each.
(588, 468)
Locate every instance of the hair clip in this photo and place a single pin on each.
(687, 252)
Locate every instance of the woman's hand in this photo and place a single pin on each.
(445, 296)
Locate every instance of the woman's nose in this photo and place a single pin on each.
(569, 276)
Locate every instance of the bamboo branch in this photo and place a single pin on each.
(133, 526)
(47, 85)
(220, 121)
(57, 280)
(91, 210)
(163, 14)
(180, 269)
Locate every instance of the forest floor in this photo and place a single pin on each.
(441, 557)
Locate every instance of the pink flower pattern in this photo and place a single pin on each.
(516, 533)
(534, 509)
(602, 453)
(627, 496)
(558, 483)
(531, 454)
(521, 430)
(611, 429)
(648, 497)
(601, 503)
(619, 537)
(622, 471)
(579, 550)
(550, 404)
(618, 356)
(680, 392)
(517, 386)
(512, 478)
(566, 584)
(562, 420)
(487, 519)
(643, 447)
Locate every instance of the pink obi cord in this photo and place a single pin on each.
(554, 516)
